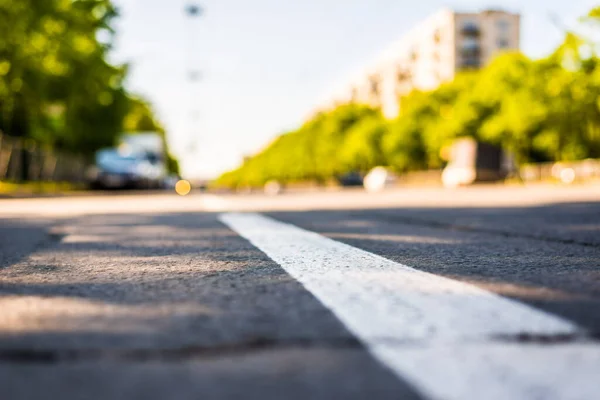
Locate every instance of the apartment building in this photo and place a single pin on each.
(428, 56)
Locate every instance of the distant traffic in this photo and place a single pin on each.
(137, 163)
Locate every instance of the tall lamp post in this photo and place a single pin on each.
(193, 12)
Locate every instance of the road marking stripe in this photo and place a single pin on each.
(435, 332)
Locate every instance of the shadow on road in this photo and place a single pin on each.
(157, 282)
(19, 238)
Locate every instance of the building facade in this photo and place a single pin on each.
(428, 56)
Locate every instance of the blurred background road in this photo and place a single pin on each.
(152, 296)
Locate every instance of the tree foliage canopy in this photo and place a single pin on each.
(56, 83)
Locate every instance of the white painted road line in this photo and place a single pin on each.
(382, 299)
(437, 333)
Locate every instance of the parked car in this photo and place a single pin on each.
(170, 181)
(472, 162)
(378, 179)
(351, 179)
(115, 170)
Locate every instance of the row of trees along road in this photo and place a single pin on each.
(540, 110)
(57, 86)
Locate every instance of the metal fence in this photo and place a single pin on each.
(26, 160)
(566, 172)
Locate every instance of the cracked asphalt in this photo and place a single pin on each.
(151, 297)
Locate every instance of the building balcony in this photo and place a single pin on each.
(374, 87)
(470, 29)
(470, 63)
(471, 52)
(403, 75)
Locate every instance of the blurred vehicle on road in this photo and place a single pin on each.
(471, 161)
(378, 179)
(273, 188)
(114, 169)
(170, 181)
(351, 179)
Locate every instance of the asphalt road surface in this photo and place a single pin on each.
(482, 293)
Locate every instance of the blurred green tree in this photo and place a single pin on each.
(56, 83)
(362, 149)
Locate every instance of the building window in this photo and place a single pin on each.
(374, 83)
(470, 43)
(403, 76)
(414, 55)
(503, 25)
(470, 47)
(471, 62)
(470, 29)
(503, 43)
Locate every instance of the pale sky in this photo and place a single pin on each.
(267, 63)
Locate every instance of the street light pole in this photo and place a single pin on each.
(193, 11)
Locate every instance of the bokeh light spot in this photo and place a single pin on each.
(183, 187)
(567, 175)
